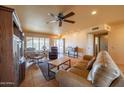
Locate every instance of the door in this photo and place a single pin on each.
(104, 42)
(100, 43)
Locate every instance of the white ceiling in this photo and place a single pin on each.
(34, 17)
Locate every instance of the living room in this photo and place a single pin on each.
(43, 27)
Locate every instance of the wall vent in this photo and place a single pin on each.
(104, 28)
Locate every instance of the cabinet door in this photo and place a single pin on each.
(16, 55)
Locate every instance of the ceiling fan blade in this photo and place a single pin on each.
(69, 14)
(60, 23)
(54, 16)
(51, 14)
(69, 21)
(52, 21)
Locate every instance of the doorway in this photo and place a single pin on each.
(100, 43)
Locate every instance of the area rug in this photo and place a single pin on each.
(44, 69)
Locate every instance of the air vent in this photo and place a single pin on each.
(104, 28)
(95, 28)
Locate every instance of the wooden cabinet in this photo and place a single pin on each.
(8, 67)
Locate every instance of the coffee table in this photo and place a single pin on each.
(57, 63)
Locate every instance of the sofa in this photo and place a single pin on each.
(100, 71)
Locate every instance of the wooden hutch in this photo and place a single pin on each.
(11, 48)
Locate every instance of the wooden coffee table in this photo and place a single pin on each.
(57, 63)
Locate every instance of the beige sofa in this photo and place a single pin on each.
(103, 73)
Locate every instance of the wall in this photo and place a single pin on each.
(116, 43)
(74, 39)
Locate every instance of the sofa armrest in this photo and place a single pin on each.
(119, 82)
(87, 57)
(68, 79)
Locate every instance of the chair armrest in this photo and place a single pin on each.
(68, 79)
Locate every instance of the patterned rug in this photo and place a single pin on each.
(44, 69)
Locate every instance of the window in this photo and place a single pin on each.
(47, 43)
(41, 43)
(37, 43)
(29, 42)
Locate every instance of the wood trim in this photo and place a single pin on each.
(100, 34)
(6, 9)
(15, 17)
(16, 20)
(42, 33)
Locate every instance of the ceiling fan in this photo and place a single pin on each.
(61, 18)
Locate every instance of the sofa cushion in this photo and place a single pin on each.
(67, 79)
(90, 63)
(80, 65)
(104, 70)
(81, 73)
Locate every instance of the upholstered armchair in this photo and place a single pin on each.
(73, 51)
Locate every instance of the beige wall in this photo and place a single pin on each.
(79, 39)
(116, 43)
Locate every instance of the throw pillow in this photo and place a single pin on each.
(90, 76)
(104, 71)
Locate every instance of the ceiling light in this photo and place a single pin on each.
(93, 12)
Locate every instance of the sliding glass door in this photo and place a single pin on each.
(60, 44)
(29, 42)
(36, 43)
(47, 43)
(41, 43)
